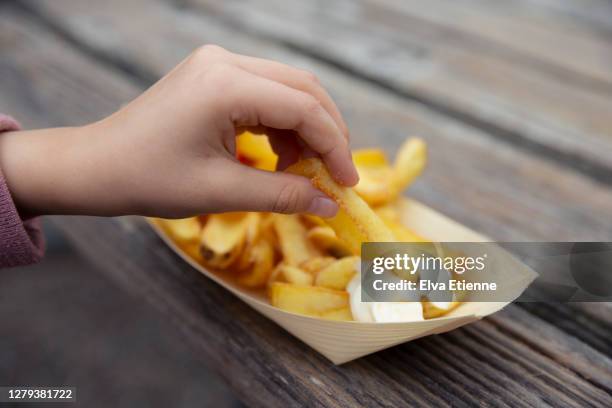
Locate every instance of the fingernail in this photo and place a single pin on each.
(323, 207)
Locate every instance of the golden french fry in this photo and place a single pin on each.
(409, 163)
(343, 313)
(375, 177)
(294, 245)
(252, 235)
(185, 233)
(261, 263)
(370, 157)
(338, 274)
(376, 184)
(291, 274)
(314, 265)
(348, 231)
(255, 150)
(326, 240)
(355, 221)
(184, 230)
(223, 238)
(308, 300)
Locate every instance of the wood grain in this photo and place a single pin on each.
(464, 60)
(492, 360)
(511, 359)
(522, 197)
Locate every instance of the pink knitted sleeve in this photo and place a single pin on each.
(21, 241)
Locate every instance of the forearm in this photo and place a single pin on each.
(57, 171)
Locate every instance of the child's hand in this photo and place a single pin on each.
(171, 152)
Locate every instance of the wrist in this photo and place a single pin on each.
(55, 171)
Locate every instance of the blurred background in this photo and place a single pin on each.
(514, 99)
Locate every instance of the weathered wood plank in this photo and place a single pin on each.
(493, 85)
(266, 366)
(517, 189)
(520, 188)
(528, 31)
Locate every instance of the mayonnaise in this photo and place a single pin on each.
(380, 311)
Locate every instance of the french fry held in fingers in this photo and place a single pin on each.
(355, 221)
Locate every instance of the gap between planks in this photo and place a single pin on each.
(597, 170)
(595, 167)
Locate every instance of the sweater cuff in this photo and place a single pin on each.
(21, 242)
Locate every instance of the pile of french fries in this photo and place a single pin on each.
(303, 262)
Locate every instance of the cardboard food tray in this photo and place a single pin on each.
(343, 341)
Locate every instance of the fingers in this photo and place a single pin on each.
(249, 189)
(260, 101)
(295, 78)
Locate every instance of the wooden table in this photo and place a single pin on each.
(513, 98)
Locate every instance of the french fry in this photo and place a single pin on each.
(261, 263)
(409, 163)
(308, 300)
(355, 221)
(370, 157)
(338, 274)
(185, 233)
(327, 241)
(314, 265)
(294, 245)
(252, 234)
(348, 231)
(313, 220)
(184, 230)
(255, 150)
(223, 238)
(344, 313)
(291, 274)
(376, 184)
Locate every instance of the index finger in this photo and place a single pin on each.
(260, 101)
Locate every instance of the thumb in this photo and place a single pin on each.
(249, 189)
